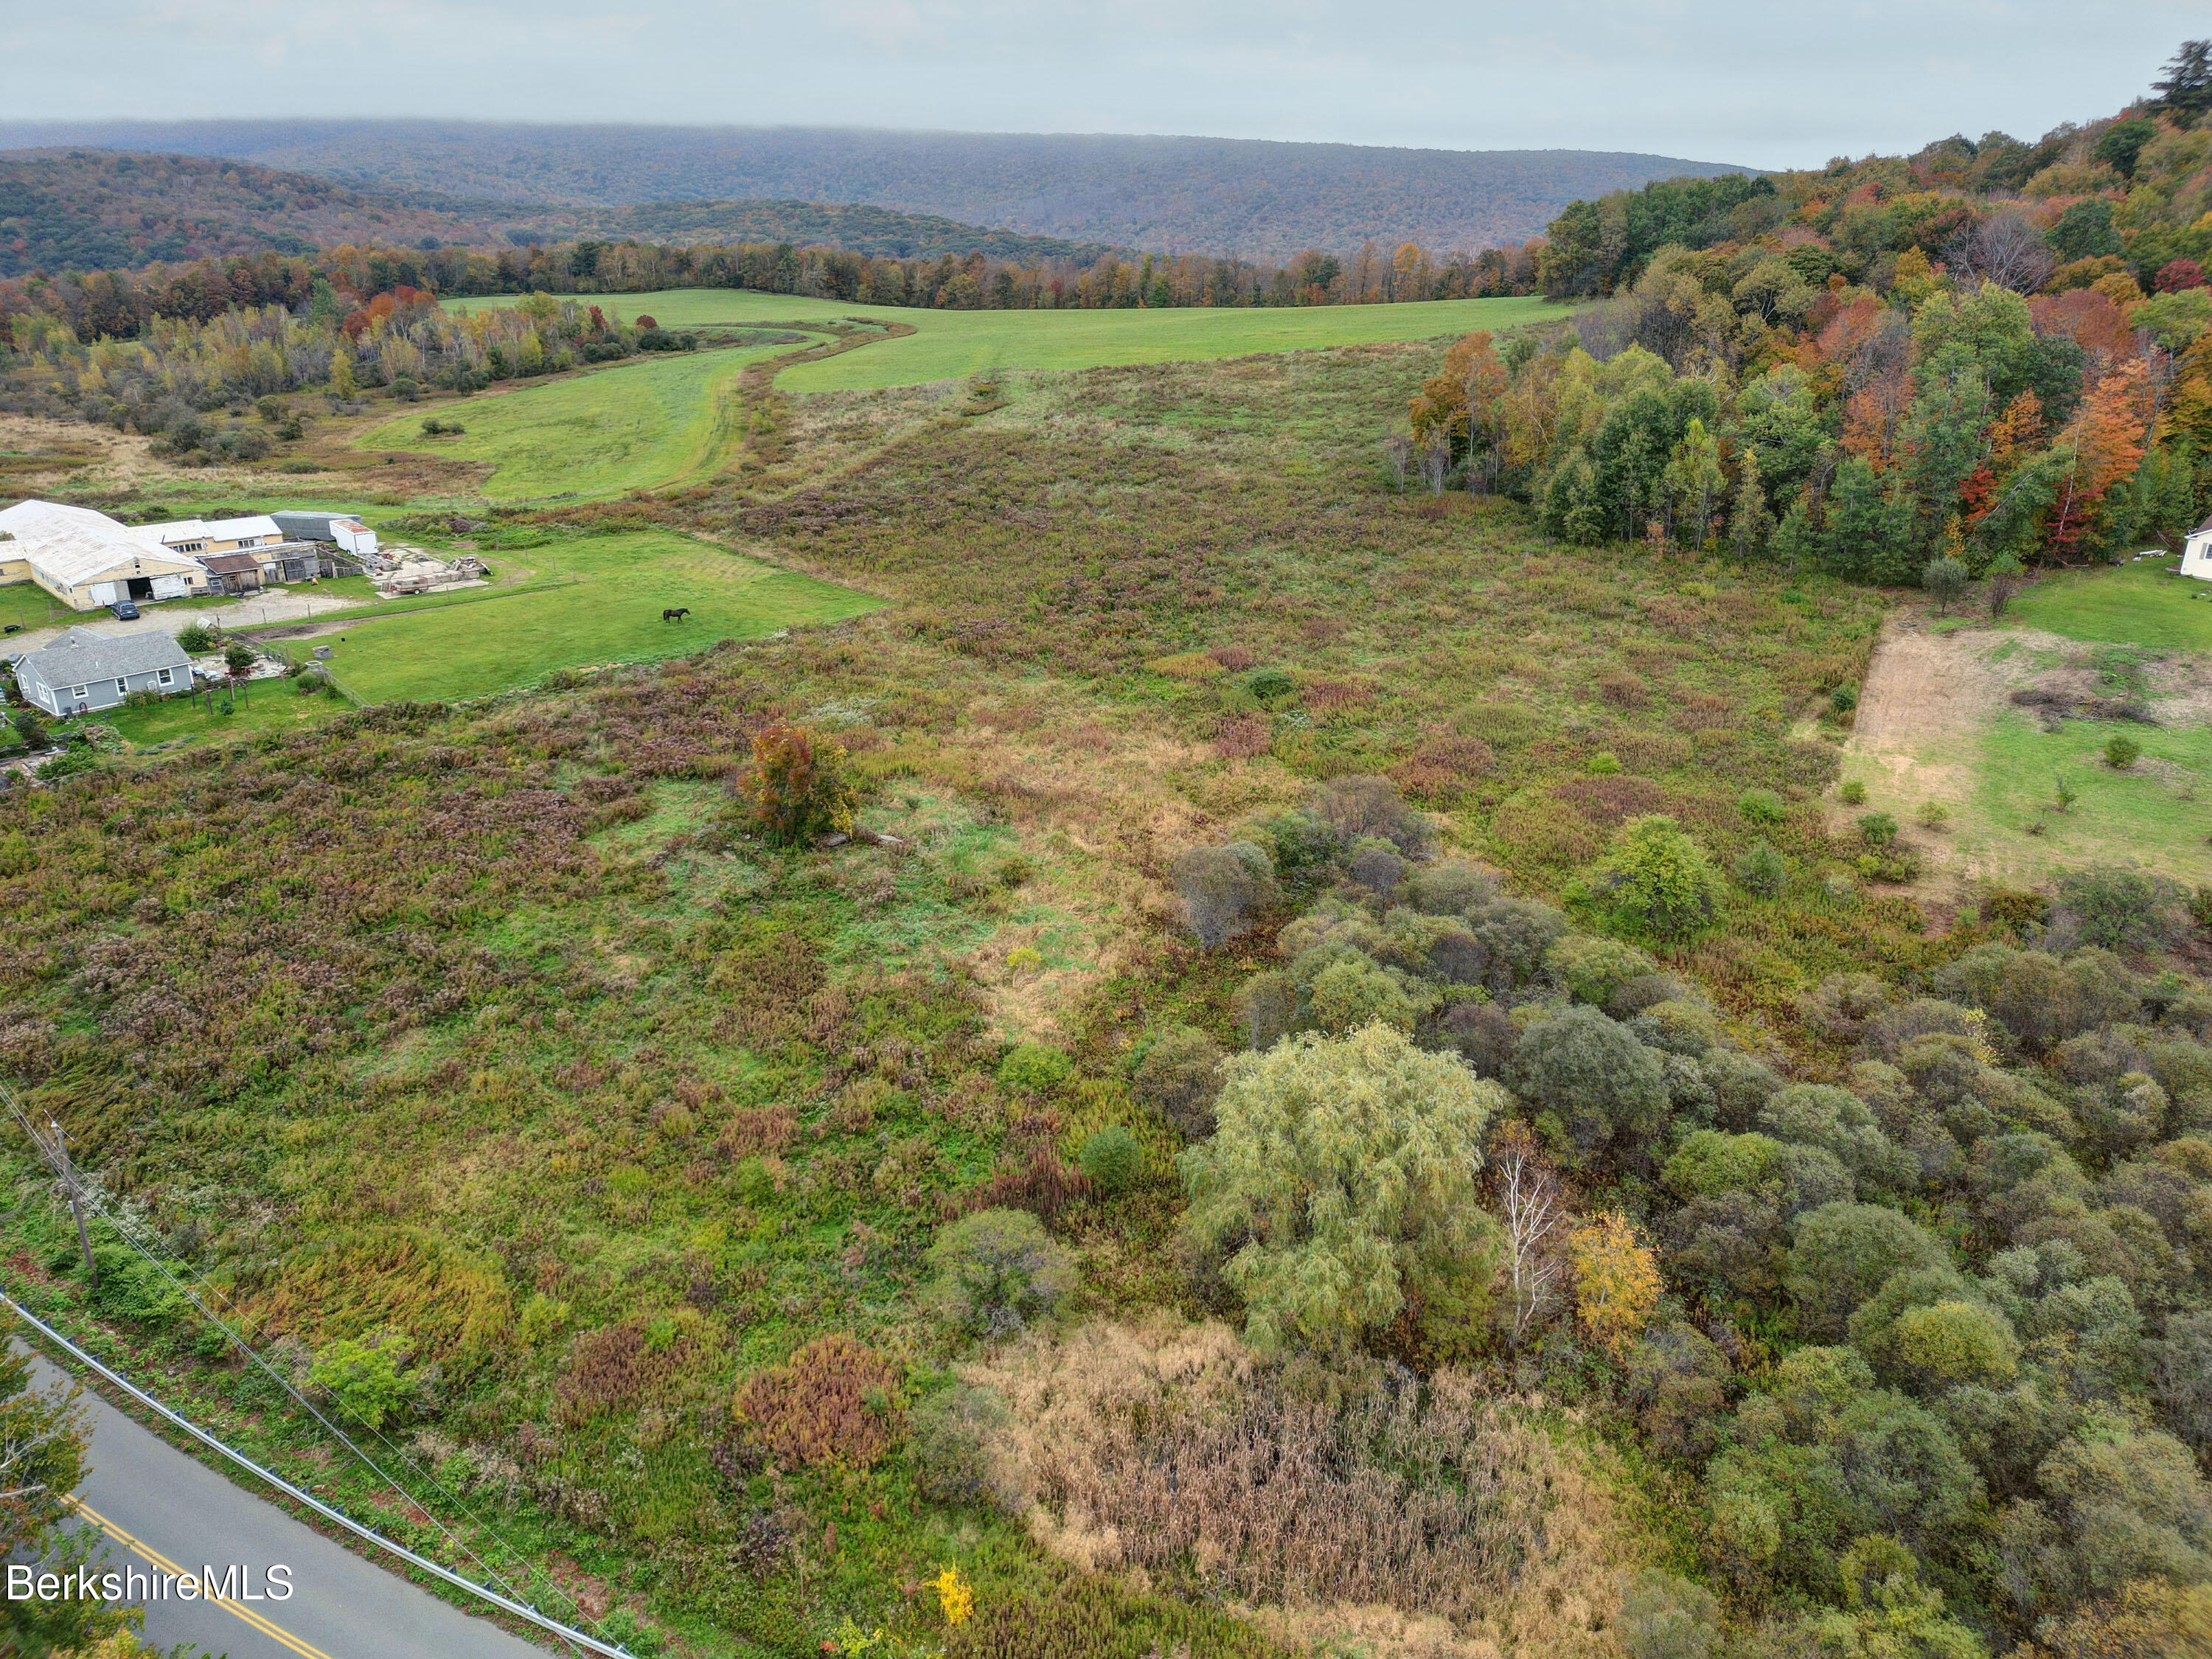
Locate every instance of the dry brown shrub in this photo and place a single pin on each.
(835, 1402)
(1547, 831)
(756, 1130)
(1326, 696)
(1443, 767)
(617, 1367)
(1169, 1448)
(1240, 737)
(1610, 801)
(1624, 689)
(1044, 1186)
(771, 981)
(1234, 657)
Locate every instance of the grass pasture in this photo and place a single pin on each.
(949, 345)
(637, 425)
(608, 612)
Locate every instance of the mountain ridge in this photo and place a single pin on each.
(1253, 197)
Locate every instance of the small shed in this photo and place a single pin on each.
(232, 572)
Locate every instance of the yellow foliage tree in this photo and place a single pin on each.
(1616, 1281)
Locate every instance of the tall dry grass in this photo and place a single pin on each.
(1168, 1452)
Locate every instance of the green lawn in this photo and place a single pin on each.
(952, 344)
(611, 615)
(27, 605)
(2158, 813)
(175, 722)
(634, 426)
(2136, 604)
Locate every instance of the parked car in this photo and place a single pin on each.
(124, 610)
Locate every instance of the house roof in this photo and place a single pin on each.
(232, 564)
(80, 655)
(231, 530)
(71, 546)
(2203, 529)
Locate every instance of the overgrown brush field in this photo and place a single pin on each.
(784, 1244)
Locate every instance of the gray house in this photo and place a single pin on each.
(83, 670)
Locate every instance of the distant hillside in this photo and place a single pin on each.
(880, 233)
(83, 209)
(1201, 195)
(88, 210)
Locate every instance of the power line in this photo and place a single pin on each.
(79, 1196)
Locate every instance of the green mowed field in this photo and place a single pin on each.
(950, 345)
(610, 613)
(2156, 813)
(2135, 603)
(633, 426)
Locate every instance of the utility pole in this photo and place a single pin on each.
(75, 1199)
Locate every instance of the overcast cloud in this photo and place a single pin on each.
(1765, 84)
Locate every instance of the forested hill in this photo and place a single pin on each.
(1197, 195)
(878, 232)
(91, 209)
(84, 209)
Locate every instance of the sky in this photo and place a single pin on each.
(1760, 84)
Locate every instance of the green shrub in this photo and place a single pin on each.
(1032, 1068)
(1843, 699)
(1591, 969)
(1659, 882)
(1268, 684)
(2122, 752)
(1761, 871)
(363, 1376)
(1761, 806)
(1179, 1076)
(196, 639)
(1221, 888)
(1944, 579)
(1852, 793)
(948, 1441)
(1604, 764)
(997, 1272)
(1112, 1159)
(1877, 828)
(30, 727)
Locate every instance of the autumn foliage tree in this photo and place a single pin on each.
(797, 787)
(1617, 1281)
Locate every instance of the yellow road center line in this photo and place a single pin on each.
(154, 1558)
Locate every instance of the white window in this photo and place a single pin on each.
(78, 692)
(165, 676)
(123, 687)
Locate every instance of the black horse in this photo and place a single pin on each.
(676, 613)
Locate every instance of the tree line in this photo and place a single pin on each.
(1873, 376)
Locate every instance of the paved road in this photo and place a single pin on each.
(165, 1512)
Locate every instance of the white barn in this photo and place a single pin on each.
(87, 560)
(2197, 553)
